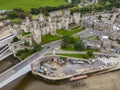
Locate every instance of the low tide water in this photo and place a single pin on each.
(31, 82)
(108, 81)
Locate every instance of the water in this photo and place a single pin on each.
(31, 82)
(8, 63)
(108, 81)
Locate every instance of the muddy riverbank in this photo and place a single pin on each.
(8, 63)
(108, 81)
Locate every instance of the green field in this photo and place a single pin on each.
(69, 32)
(74, 55)
(28, 4)
(49, 38)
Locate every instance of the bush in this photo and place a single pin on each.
(79, 46)
(15, 39)
(90, 53)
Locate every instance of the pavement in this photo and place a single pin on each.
(12, 71)
(87, 33)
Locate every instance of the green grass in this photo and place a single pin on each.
(28, 4)
(90, 49)
(74, 55)
(49, 38)
(26, 33)
(69, 48)
(69, 32)
(35, 16)
(16, 20)
(94, 38)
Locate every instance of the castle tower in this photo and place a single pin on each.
(41, 17)
(37, 35)
(76, 17)
(35, 23)
(30, 41)
(66, 23)
(53, 28)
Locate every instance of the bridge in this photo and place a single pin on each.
(7, 39)
(7, 49)
(5, 52)
(24, 66)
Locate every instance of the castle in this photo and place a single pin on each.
(45, 24)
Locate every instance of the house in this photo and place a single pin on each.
(92, 44)
(116, 25)
(114, 35)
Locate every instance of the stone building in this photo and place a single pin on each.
(48, 24)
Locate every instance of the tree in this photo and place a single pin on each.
(118, 41)
(15, 39)
(76, 1)
(22, 15)
(97, 7)
(90, 53)
(85, 56)
(79, 46)
(37, 47)
(12, 15)
(35, 11)
(67, 39)
(18, 10)
(99, 17)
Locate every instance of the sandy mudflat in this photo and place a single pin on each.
(108, 81)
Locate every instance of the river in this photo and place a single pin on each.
(108, 81)
(31, 82)
(7, 63)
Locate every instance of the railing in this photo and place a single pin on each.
(11, 35)
(4, 49)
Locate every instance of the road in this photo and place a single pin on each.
(60, 51)
(12, 71)
(87, 33)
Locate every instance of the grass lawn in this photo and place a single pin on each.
(35, 16)
(94, 38)
(49, 38)
(74, 55)
(26, 33)
(94, 50)
(28, 4)
(69, 48)
(69, 32)
(16, 20)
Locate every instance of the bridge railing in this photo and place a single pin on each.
(4, 49)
